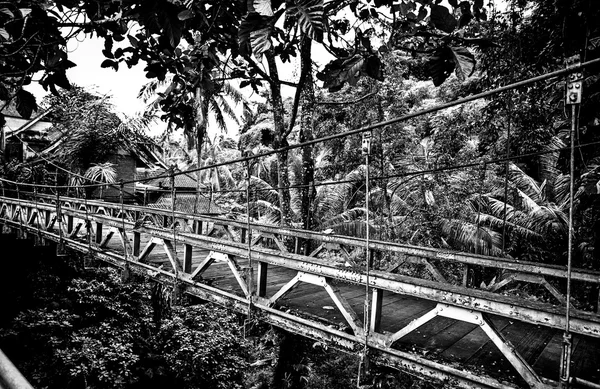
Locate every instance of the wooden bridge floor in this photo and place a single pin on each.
(454, 343)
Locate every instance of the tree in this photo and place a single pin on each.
(242, 34)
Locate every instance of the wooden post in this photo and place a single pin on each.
(376, 306)
(98, 232)
(261, 289)
(187, 258)
(136, 243)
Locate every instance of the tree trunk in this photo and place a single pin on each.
(280, 141)
(306, 134)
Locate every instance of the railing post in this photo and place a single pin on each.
(136, 243)
(376, 306)
(98, 238)
(69, 224)
(187, 258)
(261, 288)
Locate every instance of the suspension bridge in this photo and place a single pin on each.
(429, 323)
(434, 327)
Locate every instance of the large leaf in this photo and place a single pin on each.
(464, 62)
(26, 103)
(441, 65)
(310, 18)
(260, 41)
(340, 71)
(261, 7)
(343, 71)
(252, 22)
(442, 19)
(449, 59)
(4, 34)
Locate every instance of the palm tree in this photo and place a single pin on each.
(101, 173)
(535, 212)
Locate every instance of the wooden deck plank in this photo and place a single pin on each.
(586, 358)
(468, 344)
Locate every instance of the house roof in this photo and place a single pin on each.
(184, 202)
(182, 181)
(29, 124)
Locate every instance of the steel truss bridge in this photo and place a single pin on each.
(434, 327)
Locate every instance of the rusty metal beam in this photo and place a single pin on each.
(423, 252)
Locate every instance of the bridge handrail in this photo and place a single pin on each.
(535, 312)
(578, 274)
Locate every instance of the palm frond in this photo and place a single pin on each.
(226, 108)
(102, 172)
(525, 183)
(218, 115)
(466, 236)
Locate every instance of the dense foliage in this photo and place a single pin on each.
(87, 329)
(489, 177)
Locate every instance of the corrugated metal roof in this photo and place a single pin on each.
(185, 203)
(182, 181)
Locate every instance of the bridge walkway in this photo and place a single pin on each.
(443, 339)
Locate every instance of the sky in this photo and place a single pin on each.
(122, 85)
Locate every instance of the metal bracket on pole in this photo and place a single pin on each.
(574, 82)
(366, 143)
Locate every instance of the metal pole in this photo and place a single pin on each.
(364, 368)
(10, 376)
(567, 344)
(573, 98)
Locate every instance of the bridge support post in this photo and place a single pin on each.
(261, 287)
(98, 237)
(136, 243)
(187, 258)
(376, 306)
(69, 224)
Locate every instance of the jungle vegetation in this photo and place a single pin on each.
(489, 177)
